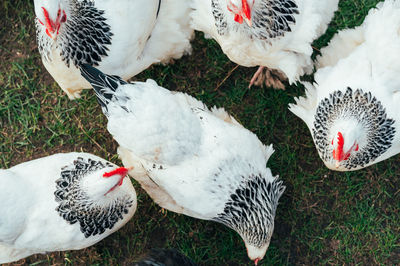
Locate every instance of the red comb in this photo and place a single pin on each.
(49, 24)
(340, 141)
(246, 9)
(122, 171)
(338, 153)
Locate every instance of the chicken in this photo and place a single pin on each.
(277, 34)
(190, 159)
(66, 201)
(164, 257)
(122, 39)
(352, 109)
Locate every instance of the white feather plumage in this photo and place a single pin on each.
(141, 37)
(290, 53)
(188, 158)
(29, 222)
(180, 134)
(364, 58)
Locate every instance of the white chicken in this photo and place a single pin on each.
(277, 33)
(190, 159)
(353, 109)
(61, 202)
(121, 38)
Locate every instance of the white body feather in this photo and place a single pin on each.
(188, 158)
(366, 58)
(140, 39)
(29, 222)
(290, 54)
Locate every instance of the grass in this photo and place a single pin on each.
(323, 218)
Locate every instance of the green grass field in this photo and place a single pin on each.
(324, 217)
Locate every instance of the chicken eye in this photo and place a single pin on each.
(64, 17)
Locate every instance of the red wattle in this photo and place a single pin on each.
(120, 182)
(238, 18)
(48, 33)
(122, 171)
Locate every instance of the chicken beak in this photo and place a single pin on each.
(54, 37)
(248, 21)
(337, 164)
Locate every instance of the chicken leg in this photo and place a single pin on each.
(270, 77)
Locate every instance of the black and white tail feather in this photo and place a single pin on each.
(104, 85)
